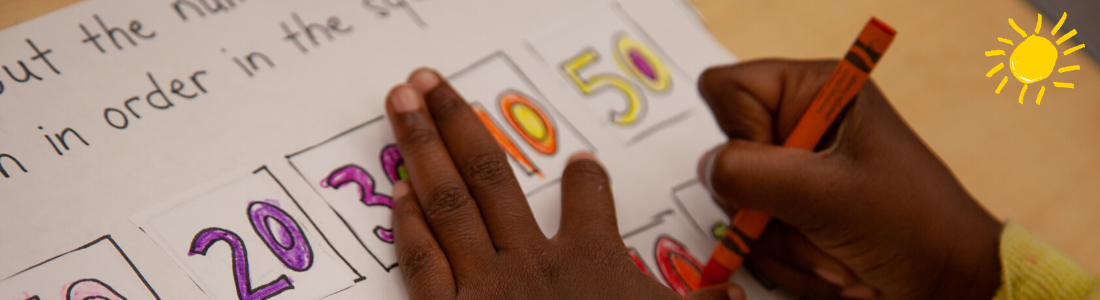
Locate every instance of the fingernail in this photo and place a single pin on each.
(830, 276)
(424, 79)
(735, 293)
(400, 189)
(857, 292)
(582, 155)
(705, 169)
(405, 99)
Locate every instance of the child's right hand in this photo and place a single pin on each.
(873, 207)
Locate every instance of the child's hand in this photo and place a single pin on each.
(873, 207)
(464, 230)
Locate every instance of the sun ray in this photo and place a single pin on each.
(1064, 85)
(1006, 41)
(994, 53)
(1067, 52)
(1001, 86)
(1023, 92)
(996, 68)
(1039, 24)
(1068, 35)
(1059, 26)
(1018, 30)
(1069, 68)
(1039, 99)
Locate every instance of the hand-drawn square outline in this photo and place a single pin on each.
(89, 245)
(617, 8)
(540, 97)
(338, 215)
(680, 204)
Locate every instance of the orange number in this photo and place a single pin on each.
(505, 142)
(530, 121)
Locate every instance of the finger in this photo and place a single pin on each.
(427, 273)
(793, 185)
(718, 292)
(482, 163)
(790, 278)
(587, 206)
(762, 100)
(449, 210)
(783, 243)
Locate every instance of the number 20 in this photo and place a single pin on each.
(289, 244)
(635, 58)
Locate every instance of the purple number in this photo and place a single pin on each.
(91, 289)
(287, 241)
(642, 64)
(394, 164)
(204, 239)
(354, 174)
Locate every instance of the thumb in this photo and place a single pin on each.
(787, 183)
(717, 292)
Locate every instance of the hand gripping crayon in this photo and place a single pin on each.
(839, 89)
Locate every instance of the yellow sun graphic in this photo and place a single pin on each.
(1034, 58)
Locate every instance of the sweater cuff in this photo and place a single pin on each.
(1033, 269)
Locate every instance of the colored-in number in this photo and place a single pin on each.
(506, 143)
(204, 239)
(394, 164)
(285, 240)
(680, 269)
(91, 289)
(647, 67)
(637, 60)
(354, 174)
(530, 121)
(638, 261)
(635, 101)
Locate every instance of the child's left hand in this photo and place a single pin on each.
(464, 230)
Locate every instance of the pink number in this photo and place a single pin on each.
(394, 164)
(91, 289)
(679, 268)
(204, 239)
(288, 243)
(354, 174)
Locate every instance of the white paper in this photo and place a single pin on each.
(97, 270)
(243, 237)
(247, 113)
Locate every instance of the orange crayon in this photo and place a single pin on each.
(839, 89)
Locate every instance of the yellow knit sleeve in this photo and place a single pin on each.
(1033, 269)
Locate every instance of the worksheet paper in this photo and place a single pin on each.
(128, 123)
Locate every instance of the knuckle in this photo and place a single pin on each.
(445, 201)
(416, 259)
(419, 137)
(444, 102)
(586, 171)
(489, 167)
(405, 207)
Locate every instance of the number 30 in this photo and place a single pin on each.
(634, 58)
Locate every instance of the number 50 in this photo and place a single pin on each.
(637, 61)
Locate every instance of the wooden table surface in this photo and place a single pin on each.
(1036, 165)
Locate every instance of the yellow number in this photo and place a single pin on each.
(636, 103)
(643, 64)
